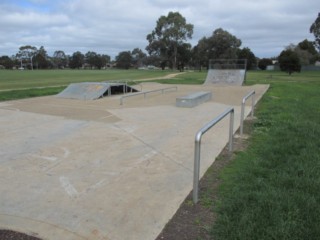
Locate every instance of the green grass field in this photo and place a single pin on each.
(10, 80)
(25, 84)
(270, 190)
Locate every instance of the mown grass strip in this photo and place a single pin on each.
(25, 84)
(28, 93)
(10, 79)
(271, 191)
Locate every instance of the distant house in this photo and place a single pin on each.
(270, 68)
(273, 67)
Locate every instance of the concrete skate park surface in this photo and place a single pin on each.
(73, 169)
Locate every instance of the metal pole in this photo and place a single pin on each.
(252, 109)
(252, 93)
(231, 130)
(197, 148)
(242, 117)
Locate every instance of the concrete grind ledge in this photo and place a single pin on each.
(74, 170)
(193, 99)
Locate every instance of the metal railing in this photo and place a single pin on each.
(197, 147)
(145, 93)
(252, 93)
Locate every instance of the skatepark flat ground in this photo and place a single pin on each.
(74, 169)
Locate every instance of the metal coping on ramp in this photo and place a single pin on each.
(93, 90)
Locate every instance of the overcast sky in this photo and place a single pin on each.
(112, 26)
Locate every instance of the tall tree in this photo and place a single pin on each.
(96, 60)
(100, 61)
(170, 32)
(315, 29)
(184, 55)
(60, 59)
(310, 51)
(289, 61)
(247, 54)
(41, 58)
(106, 57)
(308, 46)
(221, 45)
(6, 62)
(124, 60)
(91, 58)
(76, 60)
(138, 57)
(26, 53)
(200, 53)
(306, 52)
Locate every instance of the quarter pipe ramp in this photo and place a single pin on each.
(225, 76)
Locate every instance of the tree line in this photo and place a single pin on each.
(32, 58)
(168, 47)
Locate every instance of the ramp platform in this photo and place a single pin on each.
(93, 90)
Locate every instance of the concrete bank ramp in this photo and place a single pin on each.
(93, 90)
(225, 77)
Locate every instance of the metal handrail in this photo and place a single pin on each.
(145, 93)
(197, 147)
(252, 93)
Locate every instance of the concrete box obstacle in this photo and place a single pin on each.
(193, 99)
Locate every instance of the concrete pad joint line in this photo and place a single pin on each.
(154, 149)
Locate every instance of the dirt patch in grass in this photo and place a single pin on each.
(195, 221)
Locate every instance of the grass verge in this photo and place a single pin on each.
(28, 93)
(271, 191)
(10, 80)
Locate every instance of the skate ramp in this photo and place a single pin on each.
(225, 77)
(93, 90)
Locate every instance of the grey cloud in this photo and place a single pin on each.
(108, 27)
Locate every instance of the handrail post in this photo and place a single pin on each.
(252, 105)
(252, 93)
(197, 148)
(231, 130)
(242, 118)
